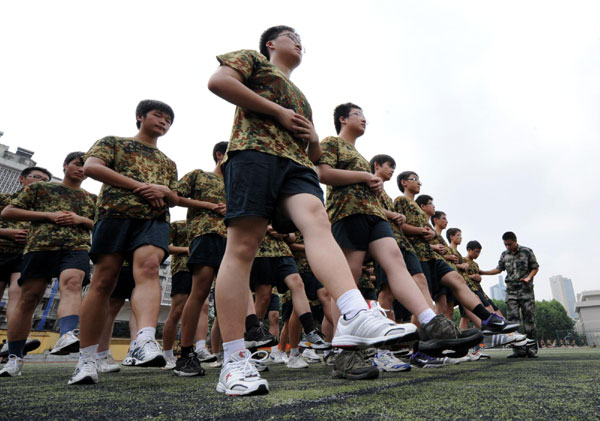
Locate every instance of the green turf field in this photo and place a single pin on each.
(560, 384)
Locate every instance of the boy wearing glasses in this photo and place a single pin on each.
(57, 246)
(269, 174)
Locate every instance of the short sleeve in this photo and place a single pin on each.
(172, 233)
(173, 182)
(185, 185)
(501, 266)
(533, 264)
(330, 149)
(25, 199)
(242, 61)
(103, 149)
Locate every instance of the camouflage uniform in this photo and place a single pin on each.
(178, 237)
(8, 246)
(388, 204)
(520, 298)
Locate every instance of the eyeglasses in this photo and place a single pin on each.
(37, 177)
(359, 115)
(294, 38)
(416, 180)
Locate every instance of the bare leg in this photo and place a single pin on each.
(386, 300)
(202, 330)
(114, 307)
(14, 292)
(146, 300)
(262, 297)
(170, 329)
(294, 330)
(202, 278)
(70, 284)
(274, 323)
(216, 343)
(19, 325)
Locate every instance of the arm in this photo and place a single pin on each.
(335, 177)
(71, 218)
(296, 247)
(16, 235)
(178, 250)
(200, 204)
(417, 231)
(529, 277)
(12, 213)
(495, 271)
(395, 217)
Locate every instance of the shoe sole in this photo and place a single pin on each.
(262, 389)
(507, 329)
(259, 344)
(85, 380)
(314, 346)
(7, 374)
(393, 370)
(367, 375)
(357, 342)
(184, 374)
(158, 361)
(209, 360)
(66, 350)
(450, 347)
(29, 346)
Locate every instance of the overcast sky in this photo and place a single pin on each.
(494, 105)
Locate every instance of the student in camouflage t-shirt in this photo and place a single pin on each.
(57, 246)
(132, 223)
(268, 168)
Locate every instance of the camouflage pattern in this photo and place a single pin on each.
(417, 218)
(8, 246)
(343, 201)
(255, 131)
(273, 247)
(286, 296)
(300, 256)
(178, 237)
(365, 280)
(43, 196)
(520, 305)
(207, 187)
(388, 204)
(518, 264)
(140, 162)
(473, 269)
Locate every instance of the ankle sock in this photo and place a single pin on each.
(186, 350)
(16, 348)
(88, 353)
(251, 321)
(294, 352)
(350, 303)
(68, 323)
(201, 344)
(426, 316)
(102, 354)
(168, 353)
(481, 312)
(231, 347)
(148, 332)
(308, 322)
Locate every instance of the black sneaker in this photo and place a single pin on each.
(440, 337)
(259, 336)
(351, 365)
(420, 360)
(188, 366)
(517, 355)
(496, 324)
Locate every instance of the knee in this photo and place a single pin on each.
(295, 284)
(29, 299)
(148, 267)
(71, 286)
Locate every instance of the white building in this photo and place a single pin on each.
(11, 165)
(588, 307)
(498, 291)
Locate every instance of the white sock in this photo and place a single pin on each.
(294, 352)
(426, 316)
(148, 332)
(351, 302)
(168, 353)
(232, 347)
(88, 353)
(102, 354)
(200, 345)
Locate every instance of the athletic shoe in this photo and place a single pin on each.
(129, 361)
(205, 356)
(147, 353)
(13, 367)
(219, 362)
(387, 362)
(107, 364)
(260, 363)
(171, 362)
(329, 359)
(85, 373)
(440, 337)
(310, 356)
(66, 344)
(517, 354)
(259, 336)
(370, 328)
(352, 366)
(278, 357)
(496, 324)
(188, 366)
(503, 339)
(482, 355)
(314, 340)
(420, 360)
(239, 376)
(30, 345)
(297, 362)
(402, 353)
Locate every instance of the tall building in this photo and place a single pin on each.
(11, 165)
(562, 291)
(588, 308)
(498, 291)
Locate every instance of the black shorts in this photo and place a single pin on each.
(10, 263)
(286, 310)
(412, 265)
(207, 250)
(50, 264)
(274, 304)
(311, 285)
(255, 183)
(434, 270)
(484, 300)
(125, 284)
(272, 271)
(356, 232)
(181, 283)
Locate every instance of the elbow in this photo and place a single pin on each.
(7, 213)
(215, 84)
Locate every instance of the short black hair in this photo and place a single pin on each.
(73, 155)
(269, 35)
(381, 159)
(509, 235)
(436, 215)
(28, 171)
(147, 105)
(423, 199)
(342, 110)
(451, 232)
(404, 175)
(219, 147)
(474, 245)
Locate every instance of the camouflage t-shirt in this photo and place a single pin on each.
(273, 247)
(440, 240)
(8, 246)
(461, 260)
(178, 237)
(300, 256)
(207, 187)
(343, 201)
(44, 196)
(473, 269)
(140, 162)
(260, 132)
(388, 204)
(417, 218)
(518, 264)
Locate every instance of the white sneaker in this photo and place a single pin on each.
(219, 362)
(310, 356)
(171, 362)
(147, 353)
(67, 343)
(239, 377)
(129, 361)
(205, 356)
(85, 373)
(278, 357)
(370, 328)
(13, 367)
(297, 362)
(387, 362)
(107, 364)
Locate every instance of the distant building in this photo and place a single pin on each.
(588, 307)
(562, 291)
(498, 291)
(11, 165)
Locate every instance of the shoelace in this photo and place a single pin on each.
(378, 310)
(247, 364)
